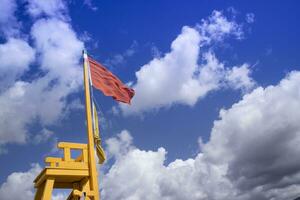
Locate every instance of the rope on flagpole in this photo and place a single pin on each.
(98, 109)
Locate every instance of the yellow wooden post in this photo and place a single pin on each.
(91, 150)
(67, 154)
(39, 192)
(48, 189)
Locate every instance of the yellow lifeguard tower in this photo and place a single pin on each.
(78, 174)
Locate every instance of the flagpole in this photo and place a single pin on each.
(91, 148)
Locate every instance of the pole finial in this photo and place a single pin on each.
(84, 53)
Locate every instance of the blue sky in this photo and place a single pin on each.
(217, 88)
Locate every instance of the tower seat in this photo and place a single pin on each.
(65, 172)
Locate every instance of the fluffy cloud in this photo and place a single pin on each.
(43, 136)
(258, 137)
(138, 174)
(217, 27)
(252, 154)
(52, 8)
(250, 17)
(120, 145)
(7, 10)
(179, 70)
(10, 67)
(19, 185)
(90, 5)
(59, 51)
(43, 96)
(8, 22)
(239, 77)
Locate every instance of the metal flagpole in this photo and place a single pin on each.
(91, 148)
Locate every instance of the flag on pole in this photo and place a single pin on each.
(102, 79)
(99, 150)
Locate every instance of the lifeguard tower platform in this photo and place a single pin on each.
(67, 173)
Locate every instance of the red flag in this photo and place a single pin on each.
(108, 83)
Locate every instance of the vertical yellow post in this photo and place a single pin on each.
(48, 189)
(40, 191)
(91, 150)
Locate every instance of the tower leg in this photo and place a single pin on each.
(39, 192)
(49, 183)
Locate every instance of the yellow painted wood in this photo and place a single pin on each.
(91, 149)
(71, 145)
(85, 187)
(69, 165)
(79, 158)
(90, 193)
(67, 154)
(85, 155)
(67, 173)
(62, 185)
(73, 174)
(53, 161)
(77, 193)
(48, 189)
(73, 165)
(37, 181)
(39, 192)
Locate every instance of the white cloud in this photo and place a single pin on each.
(89, 4)
(60, 196)
(7, 9)
(8, 23)
(239, 77)
(156, 53)
(252, 154)
(10, 67)
(60, 51)
(27, 101)
(19, 185)
(178, 78)
(43, 136)
(144, 168)
(250, 18)
(43, 97)
(138, 174)
(119, 145)
(217, 27)
(258, 137)
(162, 75)
(52, 8)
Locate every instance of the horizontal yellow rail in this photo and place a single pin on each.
(71, 145)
